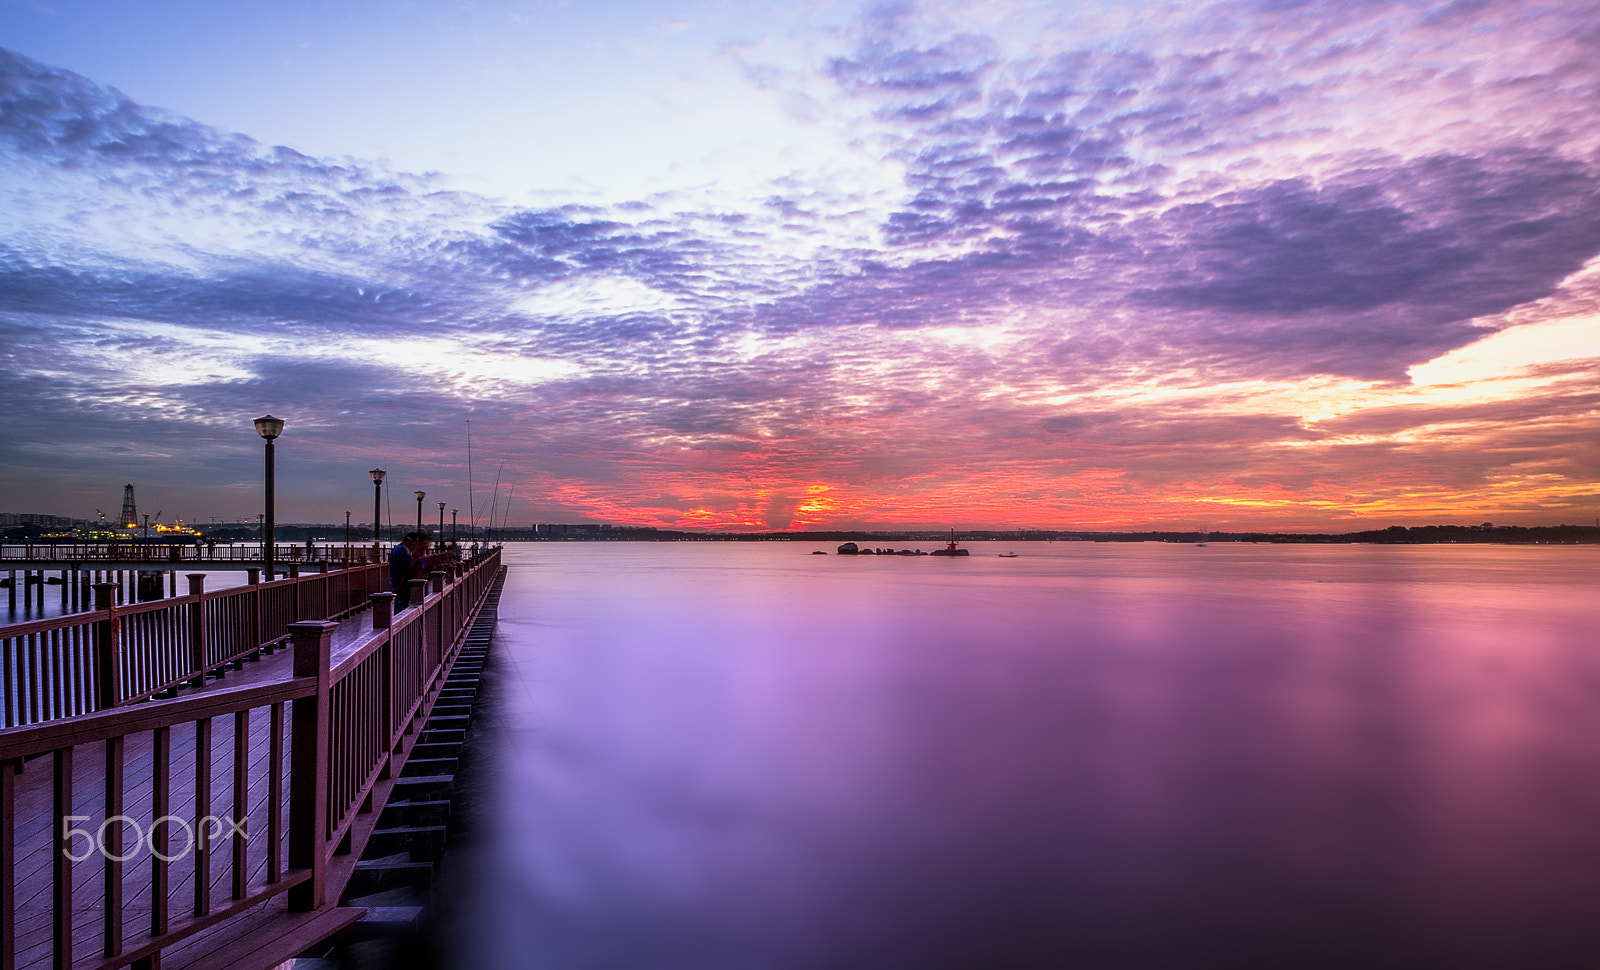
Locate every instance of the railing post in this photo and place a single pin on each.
(438, 580)
(197, 630)
(107, 640)
(382, 610)
(419, 602)
(253, 574)
(308, 765)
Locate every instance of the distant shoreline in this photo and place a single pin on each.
(1395, 535)
(1565, 535)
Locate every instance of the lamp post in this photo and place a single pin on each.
(377, 494)
(453, 524)
(441, 522)
(269, 428)
(420, 494)
(347, 534)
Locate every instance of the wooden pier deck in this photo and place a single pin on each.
(291, 752)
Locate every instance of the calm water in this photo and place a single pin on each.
(741, 756)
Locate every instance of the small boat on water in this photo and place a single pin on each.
(1008, 555)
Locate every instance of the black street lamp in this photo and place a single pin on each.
(269, 428)
(453, 524)
(441, 521)
(347, 535)
(377, 494)
(420, 494)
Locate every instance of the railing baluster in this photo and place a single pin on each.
(275, 795)
(202, 811)
(241, 801)
(111, 847)
(160, 835)
(8, 716)
(61, 897)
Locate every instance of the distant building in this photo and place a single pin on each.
(578, 529)
(38, 518)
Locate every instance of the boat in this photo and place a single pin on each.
(951, 549)
(1008, 555)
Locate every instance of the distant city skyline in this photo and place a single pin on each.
(754, 266)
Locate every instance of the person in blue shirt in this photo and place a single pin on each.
(401, 565)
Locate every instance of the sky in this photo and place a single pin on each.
(747, 265)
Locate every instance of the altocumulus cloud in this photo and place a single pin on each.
(1137, 269)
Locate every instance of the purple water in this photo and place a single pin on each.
(726, 756)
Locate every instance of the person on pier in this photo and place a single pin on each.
(402, 566)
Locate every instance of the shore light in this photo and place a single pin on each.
(377, 495)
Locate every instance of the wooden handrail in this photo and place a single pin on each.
(57, 667)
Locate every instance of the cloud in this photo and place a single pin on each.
(1130, 263)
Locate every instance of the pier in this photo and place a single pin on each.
(191, 782)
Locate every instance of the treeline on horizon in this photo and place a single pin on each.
(1397, 534)
(1393, 535)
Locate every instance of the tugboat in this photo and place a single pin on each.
(951, 549)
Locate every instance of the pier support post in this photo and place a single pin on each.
(308, 765)
(198, 654)
(107, 638)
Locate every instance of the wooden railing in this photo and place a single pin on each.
(331, 735)
(155, 553)
(84, 662)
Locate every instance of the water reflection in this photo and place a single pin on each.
(743, 756)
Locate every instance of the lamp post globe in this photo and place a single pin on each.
(377, 495)
(269, 427)
(420, 494)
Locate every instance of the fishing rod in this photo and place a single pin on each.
(505, 516)
(495, 498)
